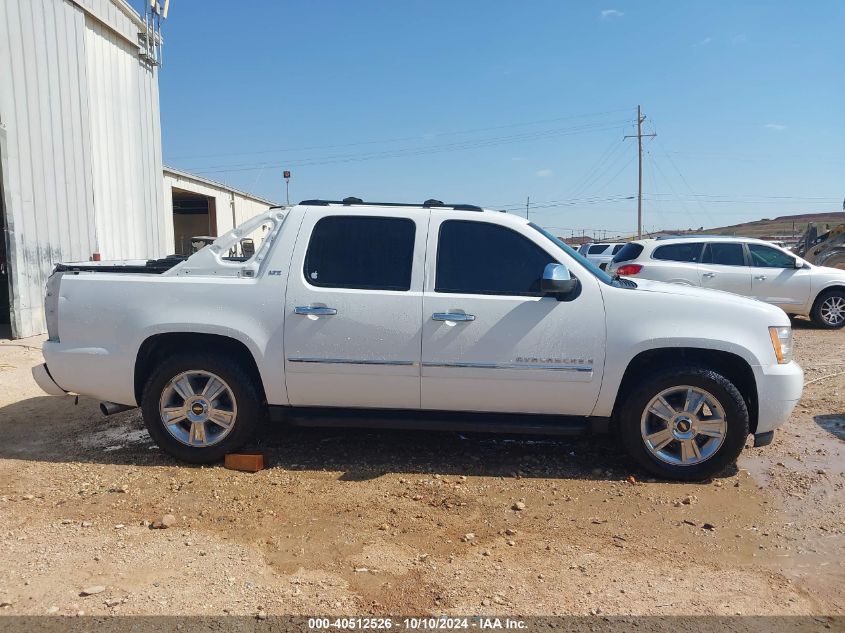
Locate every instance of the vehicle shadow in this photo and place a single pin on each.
(803, 323)
(52, 429)
(834, 424)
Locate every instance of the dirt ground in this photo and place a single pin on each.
(366, 522)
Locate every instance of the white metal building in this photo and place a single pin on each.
(80, 145)
(203, 207)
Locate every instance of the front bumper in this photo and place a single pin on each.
(45, 380)
(778, 389)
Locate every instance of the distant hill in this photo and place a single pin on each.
(773, 228)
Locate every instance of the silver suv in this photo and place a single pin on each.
(601, 253)
(741, 265)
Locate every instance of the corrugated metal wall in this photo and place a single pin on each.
(126, 147)
(82, 144)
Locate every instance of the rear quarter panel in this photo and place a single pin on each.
(104, 319)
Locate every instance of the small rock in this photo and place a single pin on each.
(384, 527)
(52, 610)
(511, 543)
(708, 526)
(86, 524)
(92, 590)
(168, 520)
(469, 536)
(261, 615)
(28, 497)
(632, 480)
(5, 604)
(689, 500)
(113, 602)
(485, 602)
(510, 532)
(519, 506)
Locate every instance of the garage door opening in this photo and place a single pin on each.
(194, 215)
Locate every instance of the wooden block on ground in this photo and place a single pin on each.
(247, 462)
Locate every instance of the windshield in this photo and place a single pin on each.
(597, 272)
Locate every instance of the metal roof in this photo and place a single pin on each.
(219, 185)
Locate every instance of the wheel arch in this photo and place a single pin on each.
(731, 366)
(836, 285)
(157, 347)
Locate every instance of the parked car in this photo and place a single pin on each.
(427, 316)
(744, 266)
(601, 253)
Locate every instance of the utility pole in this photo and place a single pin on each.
(527, 202)
(639, 136)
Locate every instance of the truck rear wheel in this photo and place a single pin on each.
(685, 423)
(199, 406)
(829, 310)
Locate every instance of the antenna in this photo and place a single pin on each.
(150, 38)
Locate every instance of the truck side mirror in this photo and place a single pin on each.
(797, 263)
(556, 280)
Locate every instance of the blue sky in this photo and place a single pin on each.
(490, 102)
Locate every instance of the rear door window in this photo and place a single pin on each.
(724, 254)
(597, 249)
(368, 253)
(679, 252)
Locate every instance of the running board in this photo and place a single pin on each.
(461, 421)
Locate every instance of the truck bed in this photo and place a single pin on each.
(152, 266)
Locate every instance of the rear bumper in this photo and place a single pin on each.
(96, 372)
(45, 380)
(778, 389)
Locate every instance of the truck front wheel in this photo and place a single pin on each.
(200, 406)
(686, 423)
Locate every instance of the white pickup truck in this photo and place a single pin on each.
(431, 316)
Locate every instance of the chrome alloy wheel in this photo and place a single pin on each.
(833, 310)
(683, 425)
(198, 408)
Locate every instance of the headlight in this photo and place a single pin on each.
(782, 342)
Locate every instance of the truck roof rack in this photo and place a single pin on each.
(431, 203)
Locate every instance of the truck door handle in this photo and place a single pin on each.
(452, 316)
(318, 311)
(761, 277)
(708, 275)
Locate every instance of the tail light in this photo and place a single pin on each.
(627, 270)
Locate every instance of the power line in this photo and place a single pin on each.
(403, 138)
(416, 151)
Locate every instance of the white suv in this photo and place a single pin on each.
(601, 254)
(741, 265)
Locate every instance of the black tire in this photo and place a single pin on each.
(628, 422)
(816, 312)
(250, 407)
